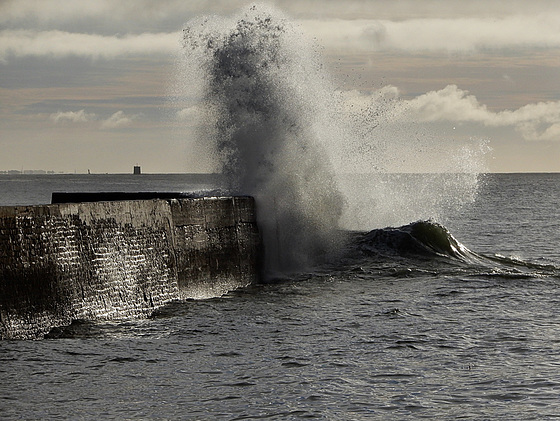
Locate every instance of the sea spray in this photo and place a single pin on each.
(316, 159)
(394, 169)
(266, 104)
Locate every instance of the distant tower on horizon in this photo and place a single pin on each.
(137, 170)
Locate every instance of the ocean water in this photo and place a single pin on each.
(454, 319)
(395, 296)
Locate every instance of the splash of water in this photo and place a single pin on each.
(279, 131)
(262, 94)
(394, 170)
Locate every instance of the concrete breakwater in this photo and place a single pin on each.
(119, 259)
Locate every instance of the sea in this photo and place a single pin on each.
(450, 318)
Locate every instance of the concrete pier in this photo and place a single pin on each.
(119, 259)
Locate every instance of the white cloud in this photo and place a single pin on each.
(540, 121)
(115, 121)
(358, 100)
(22, 43)
(451, 104)
(450, 34)
(118, 120)
(72, 116)
(537, 121)
(190, 114)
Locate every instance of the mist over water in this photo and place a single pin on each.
(313, 157)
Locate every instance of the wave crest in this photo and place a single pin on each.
(423, 238)
(428, 240)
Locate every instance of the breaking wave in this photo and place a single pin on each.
(429, 241)
(422, 238)
(280, 131)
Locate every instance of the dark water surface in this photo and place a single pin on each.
(378, 335)
(32, 189)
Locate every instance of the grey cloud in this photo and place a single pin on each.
(107, 16)
(453, 35)
(466, 32)
(376, 32)
(414, 9)
(23, 43)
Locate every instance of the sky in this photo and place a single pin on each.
(85, 85)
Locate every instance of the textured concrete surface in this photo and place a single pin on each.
(119, 259)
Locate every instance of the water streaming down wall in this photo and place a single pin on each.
(119, 259)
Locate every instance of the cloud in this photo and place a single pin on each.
(72, 116)
(540, 121)
(21, 43)
(145, 12)
(118, 120)
(191, 114)
(357, 99)
(107, 16)
(515, 27)
(534, 122)
(48, 10)
(438, 34)
(115, 121)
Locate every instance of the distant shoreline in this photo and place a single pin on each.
(44, 172)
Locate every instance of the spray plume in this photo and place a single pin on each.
(264, 96)
(280, 132)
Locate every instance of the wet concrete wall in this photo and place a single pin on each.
(121, 259)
